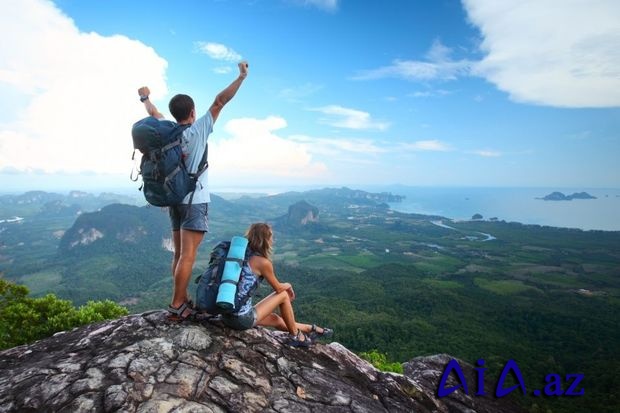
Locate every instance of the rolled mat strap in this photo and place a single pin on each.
(232, 271)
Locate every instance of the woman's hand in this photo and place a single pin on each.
(291, 293)
(289, 290)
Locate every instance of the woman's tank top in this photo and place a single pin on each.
(248, 284)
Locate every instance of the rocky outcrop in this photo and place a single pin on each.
(427, 371)
(299, 215)
(144, 363)
(559, 196)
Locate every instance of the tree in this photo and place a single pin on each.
(25, 319)
(379, 360)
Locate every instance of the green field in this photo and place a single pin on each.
(504, 287)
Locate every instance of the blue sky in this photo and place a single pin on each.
(340, 92)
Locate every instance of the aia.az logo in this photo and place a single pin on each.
(553, 382)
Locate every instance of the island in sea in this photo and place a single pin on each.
(559, 196)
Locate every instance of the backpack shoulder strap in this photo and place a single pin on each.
(204, 163)
(177, 131)
(176, 134)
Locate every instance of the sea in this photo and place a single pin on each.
(509, 204)
(513, 205)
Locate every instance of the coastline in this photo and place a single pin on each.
(513, 205)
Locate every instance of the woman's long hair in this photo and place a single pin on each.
(259, 239)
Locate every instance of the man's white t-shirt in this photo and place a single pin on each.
(194, 144)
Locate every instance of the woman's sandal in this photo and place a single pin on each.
(325, 332)
(181, 313)
(299, 340)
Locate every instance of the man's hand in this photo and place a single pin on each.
(225, 95)
(243, 68)
(144, 91)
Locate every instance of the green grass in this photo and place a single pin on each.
(361, 260)
(329, 262)
(556, 280)
(442, 284)
(439, 264)
(98, 265)
(503, 287)
(41, 282)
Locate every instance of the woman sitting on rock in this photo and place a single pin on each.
(260, 243)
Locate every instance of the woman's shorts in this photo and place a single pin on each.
(240, 322)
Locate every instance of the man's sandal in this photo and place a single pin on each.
(181, 313)
(299, 340)
(325, 332)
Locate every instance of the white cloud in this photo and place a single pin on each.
(439, 65)
(559, 54)
(427, 145)
(342, 117)
(80, 96)
(222, 70)
(254, 151)
(583, 135)
(218, 51)
(431, 93)
(338, 146)
(327, 5)
(487, 153)
(296, 94)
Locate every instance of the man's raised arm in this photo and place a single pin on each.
(144, 93)
(227, 94)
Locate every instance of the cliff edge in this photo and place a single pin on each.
(145, 363)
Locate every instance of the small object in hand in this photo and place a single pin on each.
(143, 98)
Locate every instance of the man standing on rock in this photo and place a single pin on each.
(190, 222)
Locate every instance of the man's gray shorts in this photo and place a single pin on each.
(195, 219)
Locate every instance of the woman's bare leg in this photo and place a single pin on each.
(267, 318)
(275, 321)
(277, 300)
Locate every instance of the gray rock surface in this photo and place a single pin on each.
(426, 372)
(144, 363)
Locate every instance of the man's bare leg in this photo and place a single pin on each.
(189, 242)
(176, 242)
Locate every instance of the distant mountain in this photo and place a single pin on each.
(31, 197)
(59, 208)
(328, 200)
(116, 227)
(118, 253)
(356, 194)
(347, 194)
(299, 215)
(50, 204)
(559, 196)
